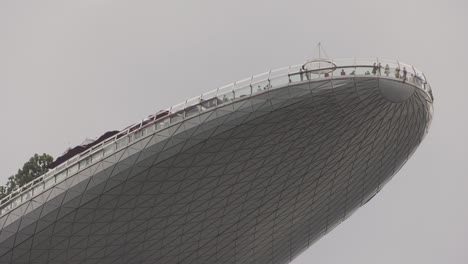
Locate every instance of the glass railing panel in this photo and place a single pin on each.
(122, 142)
(344, 71)
(209, 95)
(351, 71)
(26, 195)
(279, 73)
(58, 168)
(225, 89)
(134, 136)
(73, 169)
(83, 154)
(85, 162)
(260, 78)
(261, 86)
(192, 110)
(420, 79)
(49, 182)
(242, 84)
(373, 66)
(177, 117)
(192, 102)
(294, 68)
(108, 149)
(38, 189)
(404, 74)
(403, 67)
(148, 129)
(164, 123)
(309, 75)
(363, 70)
(295, 77)
(279, 81)
(61, 176)
(38, 180)
(210, 103)
(96, 156)
(227, 96)
(243, 92)
(26, 186)
(16, 201)
(396, 73)
(178, 108)
(72, 160)
(427, 87)
(365, 61)
(388, 67)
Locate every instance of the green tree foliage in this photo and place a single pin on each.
(35, 167)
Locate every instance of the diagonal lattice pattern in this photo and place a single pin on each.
(255, 181)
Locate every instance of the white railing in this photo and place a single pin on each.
(246, 87)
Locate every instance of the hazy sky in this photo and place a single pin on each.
(75, 69)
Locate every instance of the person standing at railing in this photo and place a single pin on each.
(374, 69)
(404, 74)
(343, 72)
(418, 80)
(397, 72)
(308, 74)
(387, 70)
(379, 67)
(301, 72)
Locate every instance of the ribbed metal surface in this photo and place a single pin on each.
(254, 181)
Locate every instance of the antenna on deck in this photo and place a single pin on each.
(321, 54)
(319, 63)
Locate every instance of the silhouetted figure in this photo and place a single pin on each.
(387, 70)
(374, 69)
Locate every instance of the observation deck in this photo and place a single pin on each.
(349, 120)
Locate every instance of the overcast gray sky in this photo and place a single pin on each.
(75, 69)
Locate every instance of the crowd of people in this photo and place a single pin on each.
(376, 70)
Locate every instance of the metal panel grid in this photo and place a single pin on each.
(254, 181)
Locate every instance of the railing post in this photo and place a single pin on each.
(269, 81)
(399, 70)
(169, 116)
(425, 81)
(378, 67)
(416, 77)
(234, 90)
